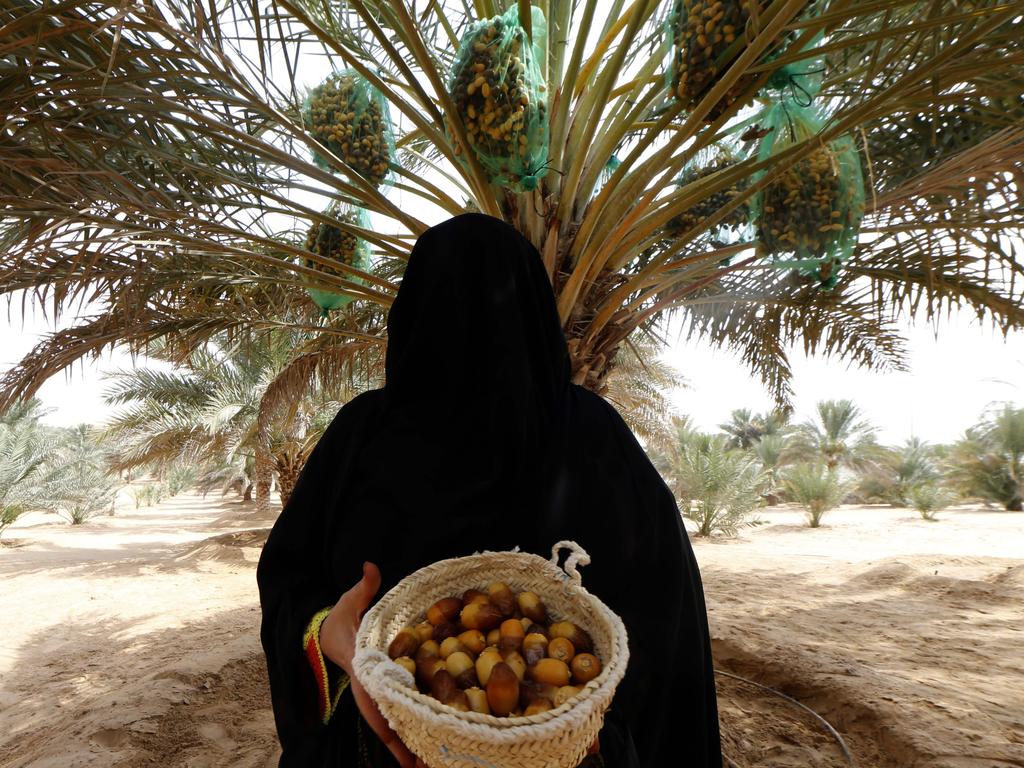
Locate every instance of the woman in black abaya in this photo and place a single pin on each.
(478, 441)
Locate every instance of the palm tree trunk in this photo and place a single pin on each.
(287, 484)
(593, 361)
(1016, 502)
(264, 476)
(289, 465)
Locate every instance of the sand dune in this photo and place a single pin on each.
(133, 640)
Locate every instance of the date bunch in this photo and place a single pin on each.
(496, 652)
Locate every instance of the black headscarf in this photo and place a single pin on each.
(478, 441)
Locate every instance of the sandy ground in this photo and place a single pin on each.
(907, 635)
(133, 640)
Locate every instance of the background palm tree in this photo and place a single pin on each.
(988, 463)
(203, 414)
(230, 412)
(815, 487)
(157, 164)
(897, 471)
(25, 448)
(49, 469)
(23, 413)
(773, 452)
(839, 437)
(80, 484)
(640, 386)
(745, 429)
(716, 486)
(912, 465)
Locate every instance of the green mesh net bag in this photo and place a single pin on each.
(332, 242)
(352, 120)
(704, 167)
(813, 210)
(700, 33)
(611, 165)
(499, 92)
(704, 37)
(799, 80)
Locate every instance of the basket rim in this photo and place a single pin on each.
(593, 696)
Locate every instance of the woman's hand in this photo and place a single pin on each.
(338, 642)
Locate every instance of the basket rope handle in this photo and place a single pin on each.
(577, 556)
(369, 662)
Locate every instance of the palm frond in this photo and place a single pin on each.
(155, 164)
(341, 368)
(763, 316)
(641, 386)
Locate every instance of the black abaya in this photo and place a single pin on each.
(478, 441)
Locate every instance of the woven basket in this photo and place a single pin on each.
(447, 738)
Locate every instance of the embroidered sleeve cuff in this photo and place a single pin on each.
(329, 687)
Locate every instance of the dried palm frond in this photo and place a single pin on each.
(641, 385)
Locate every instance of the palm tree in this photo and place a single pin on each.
(716, 486)
(157, 163)
(988, 462)
(914, 466)
(773, 452)
(199, 415)
(25, 448)
(680, 430)
(839, 437)
(1006, 432)
(745, 429)
(244, 412)
(640, 386)
(79, 481)
(815, 487)
(23, 413)
(898, 471)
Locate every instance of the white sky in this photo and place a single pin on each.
(951, 380)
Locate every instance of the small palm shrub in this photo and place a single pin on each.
(9, 513)
(988, 463)
(816, 488)
(148, 495)
(80, 483)
(180, 478)
(716, 487)
(90, 494)
(25, 448)
(928, 499)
